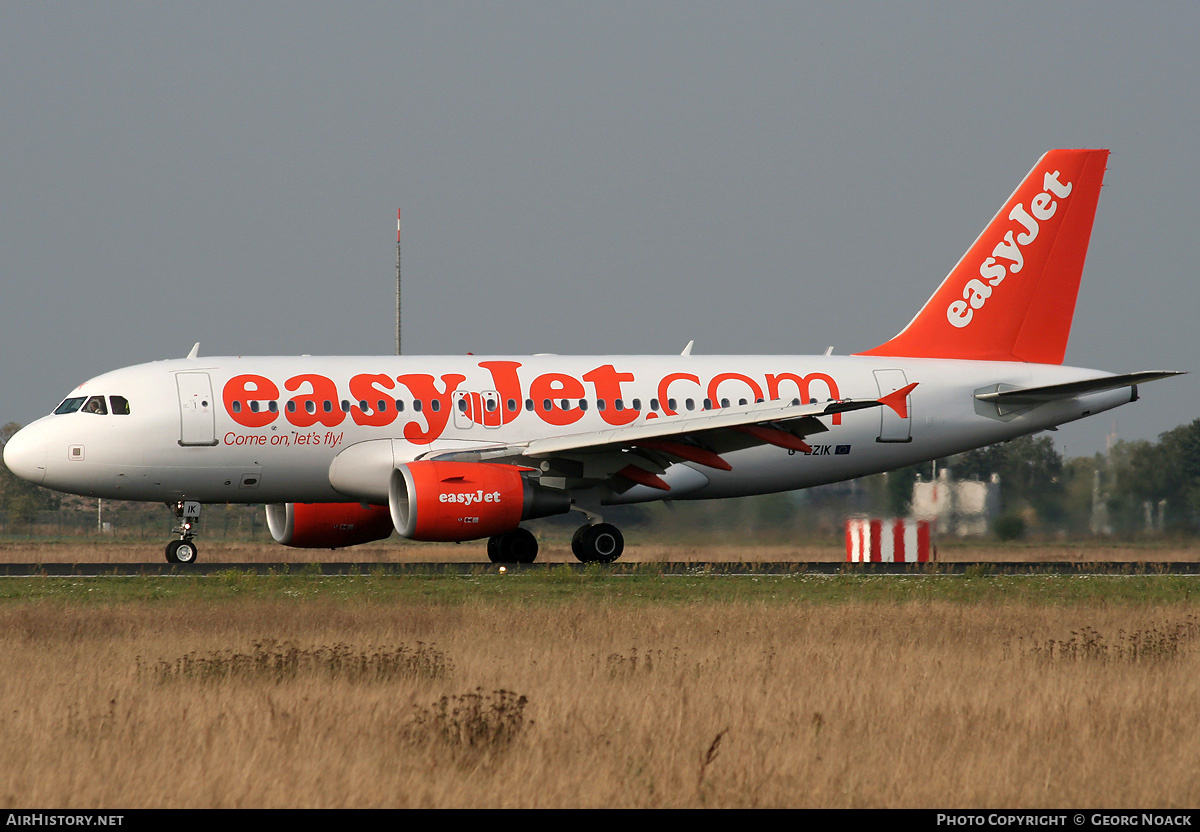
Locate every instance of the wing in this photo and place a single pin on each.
(638, 454)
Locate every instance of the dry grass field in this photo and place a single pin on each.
(303, 693)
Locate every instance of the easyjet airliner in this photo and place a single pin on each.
(345, 449)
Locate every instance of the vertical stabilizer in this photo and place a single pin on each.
(1012, 295)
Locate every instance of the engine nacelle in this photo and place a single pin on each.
(466, 500)
(327, 525)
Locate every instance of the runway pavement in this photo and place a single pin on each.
(978, 569)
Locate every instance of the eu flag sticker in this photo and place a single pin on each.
(842, 449)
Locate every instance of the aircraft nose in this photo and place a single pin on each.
(25, 456)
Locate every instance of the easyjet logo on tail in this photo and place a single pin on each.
(1008, 256)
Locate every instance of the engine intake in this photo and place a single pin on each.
(466, 500)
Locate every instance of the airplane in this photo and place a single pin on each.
(344, 450)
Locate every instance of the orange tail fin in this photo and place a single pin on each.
(1012, 295)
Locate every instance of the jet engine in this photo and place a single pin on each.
(327, 525)
(466, 500)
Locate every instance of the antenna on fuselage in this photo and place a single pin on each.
(397, 281)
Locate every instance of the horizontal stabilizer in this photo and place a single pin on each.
(1073, 389)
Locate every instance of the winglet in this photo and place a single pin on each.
(898, 400)
(195, 350)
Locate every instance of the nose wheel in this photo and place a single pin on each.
(181, 551)
(184, 550)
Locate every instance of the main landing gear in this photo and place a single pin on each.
(598, 543)
(184, 550)
(517, 546)
(594, 543)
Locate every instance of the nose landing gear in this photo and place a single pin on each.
(184, 550)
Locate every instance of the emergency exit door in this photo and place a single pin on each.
(197, 415)
(892, 427)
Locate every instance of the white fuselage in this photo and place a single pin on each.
(268, 429)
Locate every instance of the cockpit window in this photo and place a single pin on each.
(96, 405)
(120, 405)
(70, 405)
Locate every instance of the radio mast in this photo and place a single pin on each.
(397, 281)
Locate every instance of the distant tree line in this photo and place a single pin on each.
(1137, 487)
(21, 501)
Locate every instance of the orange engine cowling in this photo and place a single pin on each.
(327, 525)
(466, 500)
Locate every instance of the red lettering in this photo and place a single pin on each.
(505, 382)
(232, 438)
(607, 382)
(802, 383)
(555, 386)
(305, 415)
(664, 389)
(436, 417)
(723, 377)
(245, 389)
(365, 388)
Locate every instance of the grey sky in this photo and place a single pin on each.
(575, 178)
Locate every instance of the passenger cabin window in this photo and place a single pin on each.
(96, 405)
(120, 405)
(70, 405)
